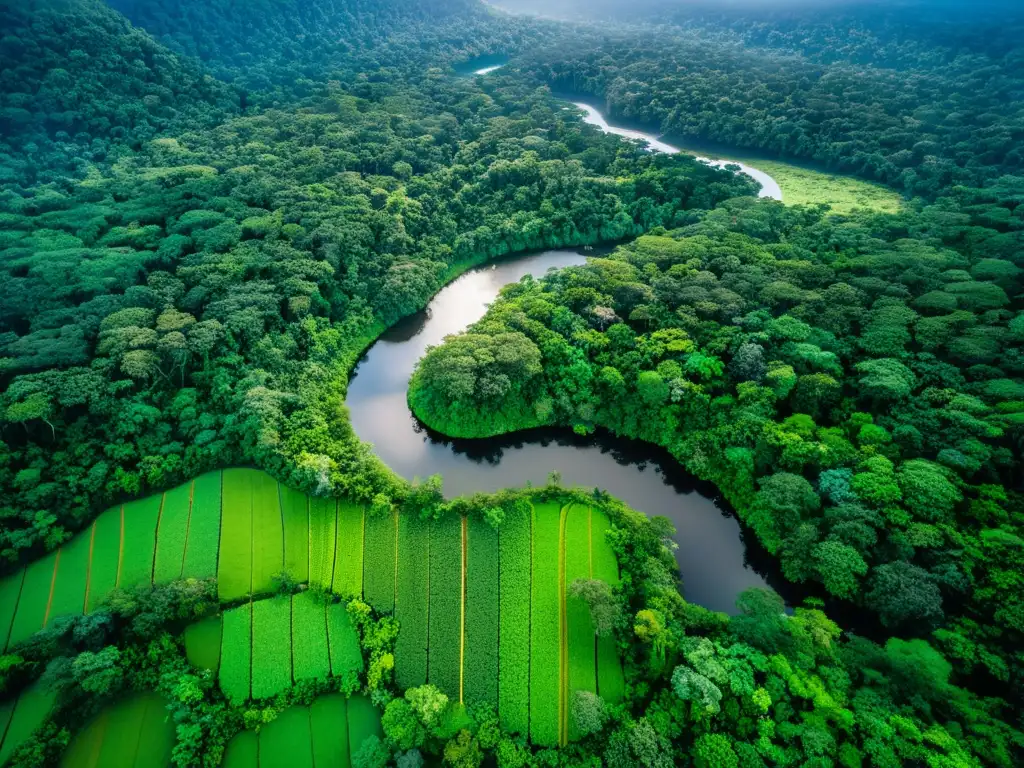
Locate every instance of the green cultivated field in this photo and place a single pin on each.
(134, 733)
(23, 717)
(484, 612)
(326, 734)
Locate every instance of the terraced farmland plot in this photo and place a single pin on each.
(445, 657)
(514, 621)
(379, 543)
(295, 516)
(271, 646)
(267, 533)
(480, 662)
(31, 709)
(34, 599)
(310, 657)
(138, 541)
(172, 533)
(70, 580)
(203, 538)
(323, 527)
(412, 601)
(236, 654)
(234, 570)
(106, 557)
(348, 553)
(134, 733)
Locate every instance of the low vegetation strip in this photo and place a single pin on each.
(445, 603)
(139, 544)
(172, 533)
(480, 663)
(236, 654)
(35, 592)
(271, 646)
(412, 602)
(204, 527)
(287, 742)
(310, 656)
(328, 721)
(234, 569)
(379, 561)
(545, 627)
(203, 642)
(346, 655)
(514, 591)
(72, 575)
(348, 556)
(33, 705)
(106, 546)
(579, 629)
(267, 533)
(323, 523)
(295, 522)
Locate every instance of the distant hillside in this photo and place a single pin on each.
(78, 77)
(275, 36)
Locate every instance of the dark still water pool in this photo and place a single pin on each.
(715, 561)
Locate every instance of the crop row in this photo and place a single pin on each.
(411, 601)
(445, 654)
(310, 657)
(20, 717)
(133, 732)
(271, 647)
(514, 593)
(379, 561)
(480, 667)
(611, 683)
(545, 628)
(581, 674)
(348, 557)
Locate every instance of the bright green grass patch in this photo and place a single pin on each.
(328, 721)
(140, 520)
(202, 643)
(323, 524)
(480, 673)
(348, 554)
(295, 517)
(271, 646)
(267, 534)
(363, 722)
(445, 604)
(611, 683)
(310, 657)
(411, 601)
(106, 548)
(580, 629)
(514, 619)
(346, 655)
(32, 708)
(236, 653)
(35, 593)
(545, 627)
(71, 579)
(172, 533)
(10, 590)
(286, 742)
(204, 527)
(234, 572)
(379, 562)
(243, 751)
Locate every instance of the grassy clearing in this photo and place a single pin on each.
(202, 643)
(106, 546)
(71, 579)
(243, 751)
(444, 666)
(267, 533)
(545, 627)
(343, 640)
(204, 527)
(172, 533)
(139, 543)
(323, 523)
(35, 594)
(348, 555)
(582, 673)
(32, 708)
(330, 739)
(379, 562)
(271, 646)
(515, 584)
(287, 742)
(412, 602)
(236, 654)
(234, 571)
(480, 666)
(363, 722)
(310, 656)
(295, 519)
(611, 683)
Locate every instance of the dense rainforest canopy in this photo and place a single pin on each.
(208, 210)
